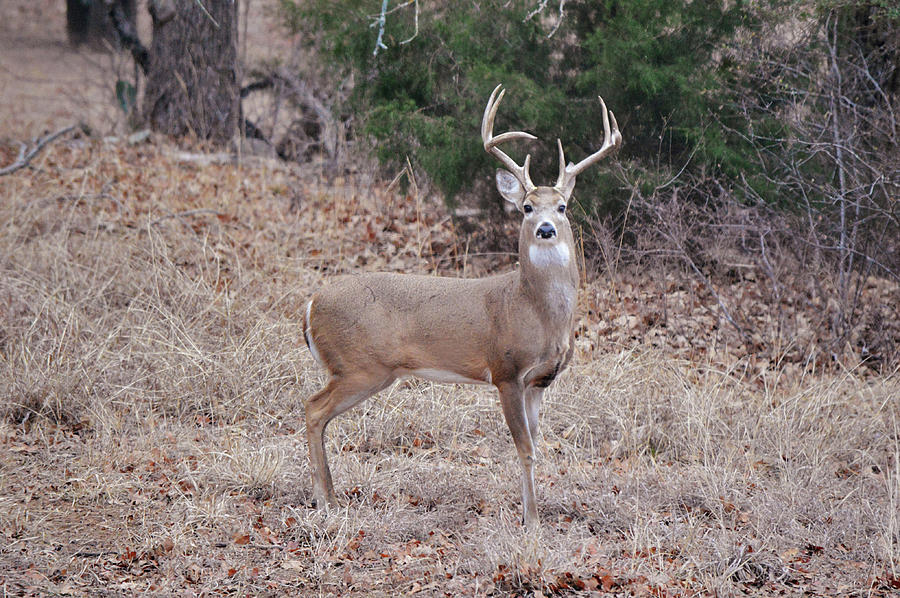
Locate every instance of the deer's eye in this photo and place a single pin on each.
(527, 209)
(561, 209)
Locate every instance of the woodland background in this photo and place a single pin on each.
(730, 425)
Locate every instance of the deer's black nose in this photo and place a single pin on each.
(546, 231)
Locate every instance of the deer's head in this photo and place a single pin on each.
(545, 223)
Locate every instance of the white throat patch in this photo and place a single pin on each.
(542, 256)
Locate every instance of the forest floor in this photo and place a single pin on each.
(153, 373)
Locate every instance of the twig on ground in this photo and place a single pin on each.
(93, 553)
(256, 546)
(205, 159)
(27, 156)
(86, 197)
(183, 214)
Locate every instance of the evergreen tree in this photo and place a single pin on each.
(653, 61)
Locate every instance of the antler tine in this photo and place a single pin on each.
(487, 121)
(562, 164)
(612, 139)
(491, 142)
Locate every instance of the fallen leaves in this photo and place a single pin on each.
(166, 520)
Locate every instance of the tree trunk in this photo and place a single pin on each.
(192, 84)
(88, 22)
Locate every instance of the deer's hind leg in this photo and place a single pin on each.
(340, 394)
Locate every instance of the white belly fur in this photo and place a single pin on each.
(446, 377)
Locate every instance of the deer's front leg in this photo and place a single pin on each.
(533, 396)
(512, 400)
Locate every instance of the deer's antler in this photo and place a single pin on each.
(612, 139)
(491, 142)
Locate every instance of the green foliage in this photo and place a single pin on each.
(657, 63)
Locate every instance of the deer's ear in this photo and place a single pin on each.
(510, 188)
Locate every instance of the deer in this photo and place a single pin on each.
(515, 331)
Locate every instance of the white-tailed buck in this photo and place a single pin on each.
(513, 330)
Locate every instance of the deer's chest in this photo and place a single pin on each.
(539, 363)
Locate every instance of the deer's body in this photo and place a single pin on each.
(514, 330)
(478, 330)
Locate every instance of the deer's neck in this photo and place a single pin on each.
(548, 276)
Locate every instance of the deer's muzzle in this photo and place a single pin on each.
(545, 231)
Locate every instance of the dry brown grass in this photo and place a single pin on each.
(152, 375)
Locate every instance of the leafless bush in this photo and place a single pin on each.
(802, 261)
(835, 161)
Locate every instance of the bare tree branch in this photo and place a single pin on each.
(540, 8)
(331, 136)
(416, 32)
(379, 45)
(25, 157)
